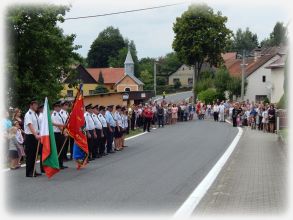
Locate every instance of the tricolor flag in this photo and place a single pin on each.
(49, 152)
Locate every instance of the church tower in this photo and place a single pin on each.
(129, 64)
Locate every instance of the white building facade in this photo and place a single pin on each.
(260, 83)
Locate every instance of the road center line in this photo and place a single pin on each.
(195, 197)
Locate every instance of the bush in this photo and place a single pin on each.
(207, 96)
(204, 84)
(266, 100)
(101, 89)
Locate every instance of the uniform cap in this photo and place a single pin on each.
(57, 103)
(110, 106)
(96, 106)
(101, 108)
(89, 106)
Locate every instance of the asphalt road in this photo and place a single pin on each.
(154, 175)
(175, 97)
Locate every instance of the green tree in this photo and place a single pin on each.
(147, 79)
(169, 63)
(39, 54)
(101, 89)
(222, 79)
(278, 37)
(244, 40)
(204, 84)
(208, 95)
(200, 36)
(101, 78)
(107, 44)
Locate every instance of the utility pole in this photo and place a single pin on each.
(242, 75)
(155, 78)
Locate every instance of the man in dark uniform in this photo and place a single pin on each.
(32, 138)
(58, 127)
(91, 132)
(102, 119)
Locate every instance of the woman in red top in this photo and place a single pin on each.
(148, 116)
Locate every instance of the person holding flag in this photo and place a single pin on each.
(59, 124)
(76, 129)
(49, 151)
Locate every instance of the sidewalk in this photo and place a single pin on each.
(253, 181)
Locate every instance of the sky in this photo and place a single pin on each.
(152, 30)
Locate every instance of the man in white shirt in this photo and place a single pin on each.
(118, 129)
(58, 127)
(111, 124)
(102, 119)
(99, 131)
(216, 112)
(90, 131)
(222, 112)
(32, 137)
(70, 141)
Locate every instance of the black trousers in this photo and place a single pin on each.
(91, 143)
(100, 151)
(110, 136)
(147, 124)
(132, 123)
(161, 121)
(234, 121)
(216, 116)
(31, 144)
(59, 143)
(103, 140)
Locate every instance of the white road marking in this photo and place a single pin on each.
(194, 198)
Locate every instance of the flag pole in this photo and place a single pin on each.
(63, 146)
(65, 124)
(36, 157)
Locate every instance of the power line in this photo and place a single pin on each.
(123, 12)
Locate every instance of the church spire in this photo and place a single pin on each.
(129, 64)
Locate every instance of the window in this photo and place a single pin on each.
(127, 89)
(69, 93)
(175, 80)
(91, 92)
(263, 78)
(259, 98)
(190, 81)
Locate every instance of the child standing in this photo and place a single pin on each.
(13, 146)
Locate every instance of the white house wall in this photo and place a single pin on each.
(255, 84)
(277, 81)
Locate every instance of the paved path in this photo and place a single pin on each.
(253, 181)
(154, 175)
(175, 97)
